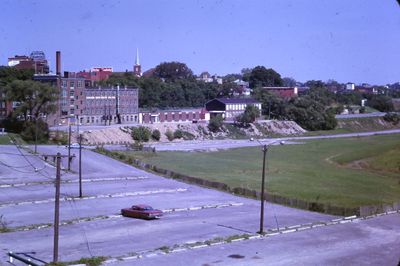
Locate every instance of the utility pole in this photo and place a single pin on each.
(36, 132)
(105, 115)
(56, 201)
(117, 106)
(69, 146)
(80, 165)
(265, 149)
(57, 208)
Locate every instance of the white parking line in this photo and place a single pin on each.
(116, 195)
(73, 181)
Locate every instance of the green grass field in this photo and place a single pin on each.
(4, 140)
(343, 172)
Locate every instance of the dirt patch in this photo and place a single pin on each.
(196, 131)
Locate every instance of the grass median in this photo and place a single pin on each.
(347, 172)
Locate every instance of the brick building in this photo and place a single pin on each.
(284, 92)
(95, 75)
(36, 61)
(178, 115)
(110, 105)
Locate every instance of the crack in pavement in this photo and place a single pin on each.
(73, 181)
(114, 216)
(116, 195)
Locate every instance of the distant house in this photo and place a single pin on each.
(350, 86)
(207, 78)
(242, 88)
(284, 92)
(367, 90)
(230, 108)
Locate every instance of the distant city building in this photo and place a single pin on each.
(110, 105)
(13, 61)
(230, 108)
(95, 75)
(36, 61)
(137, 69)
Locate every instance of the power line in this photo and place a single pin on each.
(77, 216)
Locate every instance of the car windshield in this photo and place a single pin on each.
(148, 208)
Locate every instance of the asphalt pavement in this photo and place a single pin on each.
(200, 226)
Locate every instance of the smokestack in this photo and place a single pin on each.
(58, 62)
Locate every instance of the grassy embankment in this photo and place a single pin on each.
(348, 172)
(4, 140)
(354, 125)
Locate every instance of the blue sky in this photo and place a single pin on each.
(349, 41)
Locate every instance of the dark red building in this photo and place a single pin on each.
(284, 92)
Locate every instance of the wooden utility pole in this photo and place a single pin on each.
(57, 208)
(265, 149)
(69, 147)
(80, 165)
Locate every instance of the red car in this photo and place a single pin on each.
(141, 211)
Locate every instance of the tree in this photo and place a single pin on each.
(381, 102)
(263, 77)
(215, 123)
(311, 114)
(33, 98)
(246, 73)
(272, 105)
(172, 71)
(315, 84)
(8, 74)
(29, 132)
(232, 77)
(249, 116)
(289, 82)
(123, 79)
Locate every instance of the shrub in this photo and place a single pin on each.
(188, 135)
(392, 118)
(29, 131)
(156, 135)
(141, 134)
(170, 135)
(215, 123)
(178, 134)
(249, 116)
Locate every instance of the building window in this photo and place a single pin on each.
(71, 84)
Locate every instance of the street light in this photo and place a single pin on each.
(265, 149)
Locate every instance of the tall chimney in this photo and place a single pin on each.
(58, 62)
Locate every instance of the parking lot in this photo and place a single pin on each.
(92, 225)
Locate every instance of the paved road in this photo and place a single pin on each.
(93, 226)
(374, 114)
(369, 242)
(210, 145)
